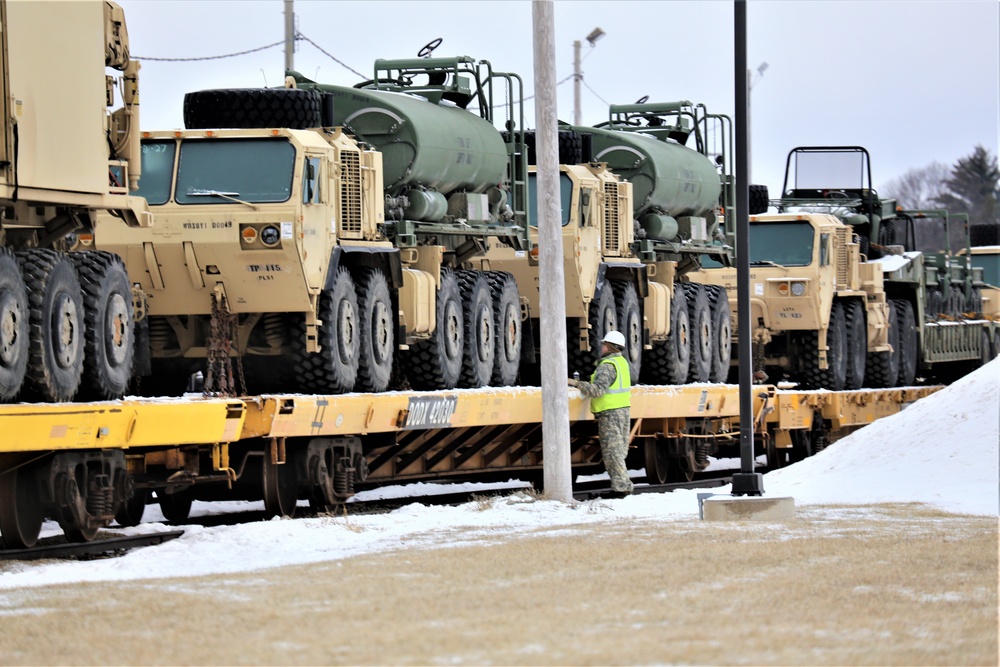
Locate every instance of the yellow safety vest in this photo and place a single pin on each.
(618, 394)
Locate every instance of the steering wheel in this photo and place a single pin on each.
(642, 100)
(429, 48)
(835, 194)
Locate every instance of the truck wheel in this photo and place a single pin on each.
(834, 376)
(668, 362)
(883, 367)
(507, 327)
(377, 331)
(857, 345)
(246, 108)
(630, 324)
(908, 344)
(437, 362)
(107, 364)
(603, 318)
(722, 335)
(13, 327)
(480, 333)
(56, 320)
(334, 369)
(700, 317)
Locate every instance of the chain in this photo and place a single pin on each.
(219, 375)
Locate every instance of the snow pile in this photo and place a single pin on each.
(941, 450)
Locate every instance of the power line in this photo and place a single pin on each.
(592, 90)
(228, 55)
(299, 36)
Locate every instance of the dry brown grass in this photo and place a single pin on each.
(894, 585)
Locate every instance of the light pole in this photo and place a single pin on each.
(750, 84)
(594, 35)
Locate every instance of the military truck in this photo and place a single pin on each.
(65, 319)
(316, 263)
(840, 297)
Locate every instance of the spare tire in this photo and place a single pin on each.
(758, 199)
(570, 146)
(248, 108)
(984, 234)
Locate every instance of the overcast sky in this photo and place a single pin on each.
(914, 82)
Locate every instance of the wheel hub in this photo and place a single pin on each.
(66, 325)
(118, 330)
(10, 317)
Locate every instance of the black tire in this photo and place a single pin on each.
(834, 376)
(758, 199)
(14, 348)
(57, 324)
(722, 333)
(507, 328)
(857, 344)
(480, 330)
(437, 362)
(570, 146)
(908, 344)
(668, 362)
(883, 367)
(700, 319)
(176, 507)
(109, 336)
(334, 369)
(630, 324)
(377, 331)
(984, 234)
(246, 108)
(603, 317)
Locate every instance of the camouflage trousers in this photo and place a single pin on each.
(613, 431)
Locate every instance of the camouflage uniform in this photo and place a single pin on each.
(612, 427)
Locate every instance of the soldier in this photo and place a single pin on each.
(609, 391)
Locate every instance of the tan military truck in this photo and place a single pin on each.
(818, 312)
(65, 319)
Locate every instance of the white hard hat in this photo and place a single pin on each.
(615, 338)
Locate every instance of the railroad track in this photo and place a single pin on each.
(110, 546)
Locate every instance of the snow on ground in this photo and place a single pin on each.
(942, 450)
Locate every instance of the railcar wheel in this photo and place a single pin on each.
(700, 317)
(377, 331)
(507, 326)
(908, 345)
(883, 367)
(56, 318)
(657, 462)
(334, 369)
(603, 318)
(668, 362)
(13, 327)
(479, 332)
(722, 334)
(857, 345)
(437, 362)
(630, 324)
(281, 487)
(109, 346)
(21, 513)
(131, 511)
(176, 507)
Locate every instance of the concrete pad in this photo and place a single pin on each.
(747, 508)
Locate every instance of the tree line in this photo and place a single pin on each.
(971, 185)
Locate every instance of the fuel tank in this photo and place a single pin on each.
(666, 177)
(435, 146)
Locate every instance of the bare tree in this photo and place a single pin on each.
(919, 187)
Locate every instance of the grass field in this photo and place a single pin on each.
(875, 585)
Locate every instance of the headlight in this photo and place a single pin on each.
(798, 289)
(270, 236)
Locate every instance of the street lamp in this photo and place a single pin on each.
(592, 38)
(750, 84)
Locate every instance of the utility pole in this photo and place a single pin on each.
(592, 38)
(556, 465)
(289, 35)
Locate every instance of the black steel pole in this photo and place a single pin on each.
(746, 482)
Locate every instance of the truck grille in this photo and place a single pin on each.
(612, 213)
(350, 195)
(840, 252)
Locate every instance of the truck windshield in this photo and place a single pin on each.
(248, 170)
(565, 199)
(784, 243)
(157, 170)
(990, 264)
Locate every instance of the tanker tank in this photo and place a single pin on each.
(440, 160)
